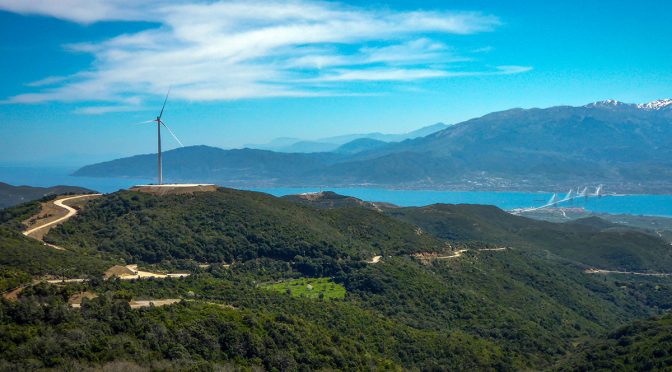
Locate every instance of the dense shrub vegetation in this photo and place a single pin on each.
(642, 346)
(592, 241)
(275, 331)
(527, 307)
(230, 225)
(22, 258)
(320, 288)
(12, 217)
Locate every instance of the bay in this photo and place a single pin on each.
(636, 204)
(649, 205)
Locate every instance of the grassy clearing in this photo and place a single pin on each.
(309, 287)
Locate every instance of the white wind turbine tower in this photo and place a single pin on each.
(159, 123)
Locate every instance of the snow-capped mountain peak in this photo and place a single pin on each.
(607, 103)
(656, 105)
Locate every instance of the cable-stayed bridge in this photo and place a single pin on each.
(571, 195)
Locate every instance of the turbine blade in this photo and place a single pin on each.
(164, 103)
(146, 122)
(172, 134)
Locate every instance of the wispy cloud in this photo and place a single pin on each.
(250, 49)
(509, 70)
(385, 74)
(50, 80)
(97, 110)
(84, 11)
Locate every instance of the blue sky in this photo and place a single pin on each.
(77, 74)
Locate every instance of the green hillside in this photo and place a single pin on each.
(489, 311)
(330, 199)
(231, 225)
(644, 345)
(592, 242)
(23, 258)
(523, 308)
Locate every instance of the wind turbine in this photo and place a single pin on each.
(159, 123)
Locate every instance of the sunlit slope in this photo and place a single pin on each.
(513, 309)
(230, 225)
(592, 242)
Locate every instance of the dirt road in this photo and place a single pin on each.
(457, 253)
(136, 304)
(600, 271)
(427, 257)
(492, 249)
(59, 281)
(39, 231)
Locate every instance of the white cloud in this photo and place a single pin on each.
(85, 11)
(387, 74)
(249, 49)
(509, 70)
(97, 110)
(401, 74)
(50, 80)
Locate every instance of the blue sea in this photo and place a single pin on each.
(53, 176)
(650, 205)
(647, 205)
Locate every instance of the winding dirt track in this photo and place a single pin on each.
(70, 211)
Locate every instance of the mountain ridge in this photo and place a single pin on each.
(655, 105)
(535, 149)
(326, 144)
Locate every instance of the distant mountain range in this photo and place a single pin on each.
(626, 147)
(286, 144)
(13, 195)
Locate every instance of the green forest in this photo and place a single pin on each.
(286, 286)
